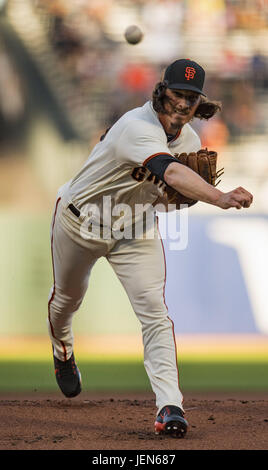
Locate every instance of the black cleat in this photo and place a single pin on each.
(68, 376)
(170, 421)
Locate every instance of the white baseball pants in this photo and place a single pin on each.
(140, 266)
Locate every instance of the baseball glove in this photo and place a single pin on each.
(203, 162)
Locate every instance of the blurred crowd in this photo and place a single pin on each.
(12, 99)
(87, 37)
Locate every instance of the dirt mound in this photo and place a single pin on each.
(124, 422)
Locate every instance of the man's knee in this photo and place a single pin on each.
(65, 302)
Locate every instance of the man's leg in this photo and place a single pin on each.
(140, 266)
(72, 265)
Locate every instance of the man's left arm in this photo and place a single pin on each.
(190, 184)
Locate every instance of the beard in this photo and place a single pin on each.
(175, 126)
(178, 116)
(177, 120)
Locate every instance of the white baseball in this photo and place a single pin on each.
(133, 34)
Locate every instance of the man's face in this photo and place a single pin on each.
(180, 107)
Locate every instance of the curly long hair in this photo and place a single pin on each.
(205, 110)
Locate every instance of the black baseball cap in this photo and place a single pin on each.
(185, 74)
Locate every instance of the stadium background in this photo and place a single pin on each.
(66, 74)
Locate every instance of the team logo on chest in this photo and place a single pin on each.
(190, 73)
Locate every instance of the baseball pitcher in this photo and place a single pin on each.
(151, 155)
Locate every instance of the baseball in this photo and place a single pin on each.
(133, 34)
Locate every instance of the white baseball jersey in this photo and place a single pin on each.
(116, 165)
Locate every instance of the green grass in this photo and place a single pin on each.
(36, 376)
(224, 376)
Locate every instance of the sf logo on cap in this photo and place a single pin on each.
(190, 73)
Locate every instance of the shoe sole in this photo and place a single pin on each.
(77, 390)
(172, 428)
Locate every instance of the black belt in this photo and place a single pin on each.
(77, 212)
(74, 210)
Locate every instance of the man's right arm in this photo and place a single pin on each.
(190, 184)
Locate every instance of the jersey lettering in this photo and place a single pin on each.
(140, 174)
(153, 178)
